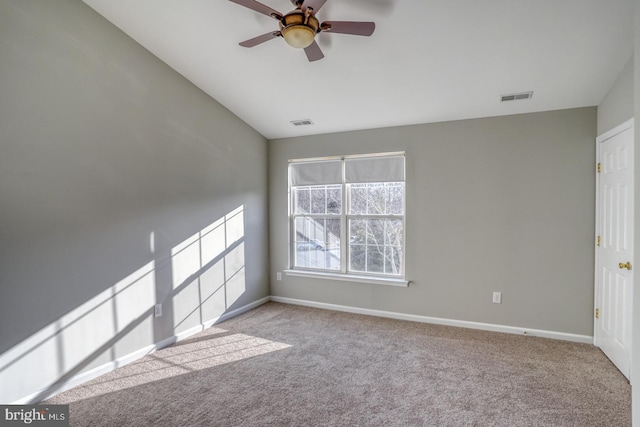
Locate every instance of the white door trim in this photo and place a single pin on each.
(613, 132)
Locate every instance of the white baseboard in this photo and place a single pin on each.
(564, 336)
(84, 377)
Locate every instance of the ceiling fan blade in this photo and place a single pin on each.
(260, 39)
(259, 7)
(313, 4)
(349, 27)
(313, 52)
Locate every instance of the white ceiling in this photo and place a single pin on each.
(427, 61)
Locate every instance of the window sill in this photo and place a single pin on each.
(389, 281)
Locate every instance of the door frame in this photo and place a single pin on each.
(629, 124)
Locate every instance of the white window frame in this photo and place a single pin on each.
(344, 274)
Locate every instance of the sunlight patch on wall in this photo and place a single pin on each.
(212, 282)
(85, 337)
(207, 278)
(234, 273)
(208, 271)
(235, 225)
(213, 241)
(94, 323)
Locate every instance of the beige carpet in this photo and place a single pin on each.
(282, 365)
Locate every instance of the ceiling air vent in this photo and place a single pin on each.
(305, 122)
(516, 96)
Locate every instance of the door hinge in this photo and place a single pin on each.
(599, 167)
(598, 240)
(597, 313)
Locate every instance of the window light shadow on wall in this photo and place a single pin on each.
(207, 274)
(87, 337)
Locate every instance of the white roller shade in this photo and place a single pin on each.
(374, 169)
(316, 173)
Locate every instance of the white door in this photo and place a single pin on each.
(614, 279)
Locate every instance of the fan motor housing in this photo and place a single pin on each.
(299, 29)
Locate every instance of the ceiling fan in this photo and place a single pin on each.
(300, 26)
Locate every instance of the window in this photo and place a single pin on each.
(347, 215)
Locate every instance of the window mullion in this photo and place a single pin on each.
(292, 229)
(344, 233)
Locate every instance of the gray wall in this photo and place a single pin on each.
(498, 204)
(617, 105)
(109, 160)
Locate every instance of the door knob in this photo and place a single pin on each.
(626, 265)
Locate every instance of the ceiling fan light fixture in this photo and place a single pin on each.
(299, 29)
(298, 36)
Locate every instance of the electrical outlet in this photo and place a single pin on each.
(497, 297)
(279, 275)
(158, 310)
